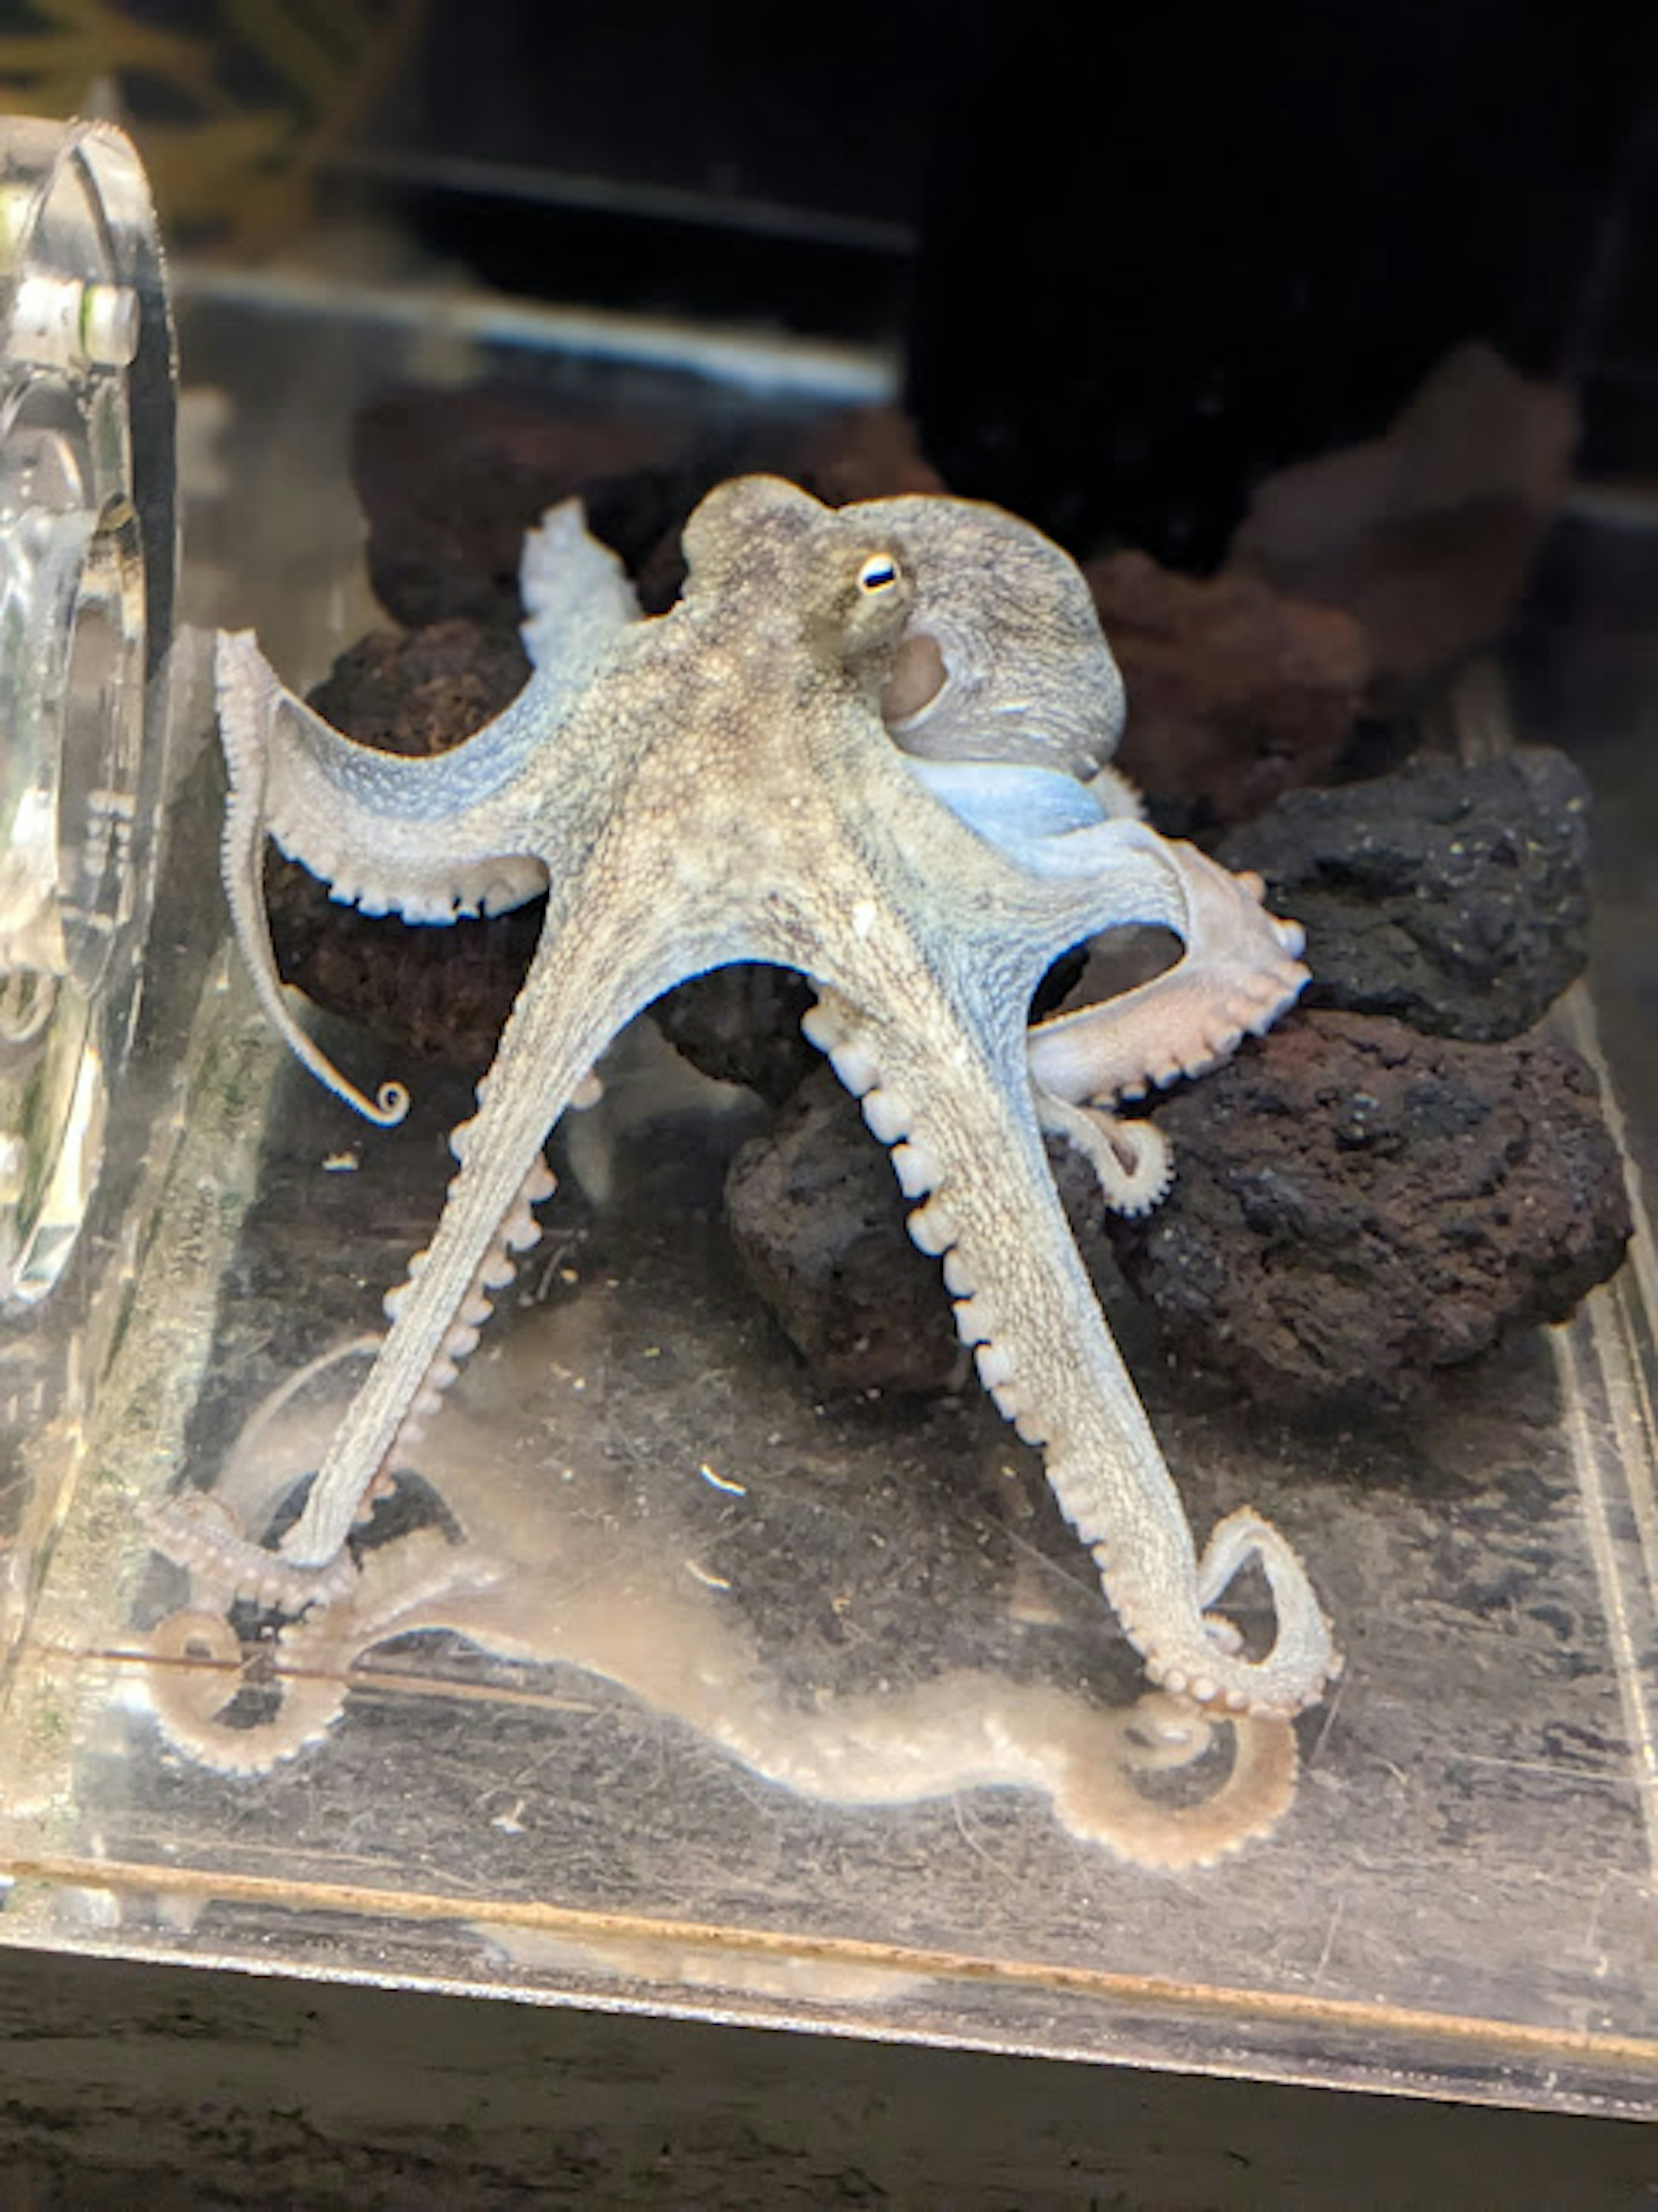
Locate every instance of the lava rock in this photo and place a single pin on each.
(818, 1220)
(425, 690)
(742, 1025)
(1236, 693)
(1426, 535)
(1455, 898)
(451, 481)
(868, 452)
(1355, 1207)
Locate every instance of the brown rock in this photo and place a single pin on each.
(1236, 693)
(424, 690)
(870, 453)
(818, 1220)
(1355, 1205)
(742, 1025)
(1425, 536)
(451, 481)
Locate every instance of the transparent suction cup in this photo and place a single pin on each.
(87, 555)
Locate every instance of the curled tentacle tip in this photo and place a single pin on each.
(385, 1110)
(391, 1104)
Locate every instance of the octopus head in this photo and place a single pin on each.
(835, 583)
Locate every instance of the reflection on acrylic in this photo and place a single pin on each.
(503, 1555)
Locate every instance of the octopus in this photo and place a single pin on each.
(871, 744)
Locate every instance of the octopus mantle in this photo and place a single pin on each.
(871, 744)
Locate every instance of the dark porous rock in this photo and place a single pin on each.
(444, 993)
(1455, 898)
(1236, 693)
(818, 1220)
(742, 1025)
(441, 992)
(425, 690)
(1355, 1205)
(450, 482)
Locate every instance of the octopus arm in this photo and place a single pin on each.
(936, 1089)
(576, 595)
(594, 970)
(1239, 969)
(319, 793)
(1077, 846)
(428, 839)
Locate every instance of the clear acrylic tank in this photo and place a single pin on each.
(678, 1675)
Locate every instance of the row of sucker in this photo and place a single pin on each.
(495, 887)
(892, 1118)
(517, 1232)
(965, 1731)
(1129, 1598)
(1132, 1161)
(1241, 967)
(200, 1534)
(199, 1665)
(197, 1668)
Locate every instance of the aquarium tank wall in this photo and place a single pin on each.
(826, 1021)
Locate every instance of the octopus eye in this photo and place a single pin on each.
(878, 574)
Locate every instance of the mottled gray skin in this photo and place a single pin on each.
(719, 785)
